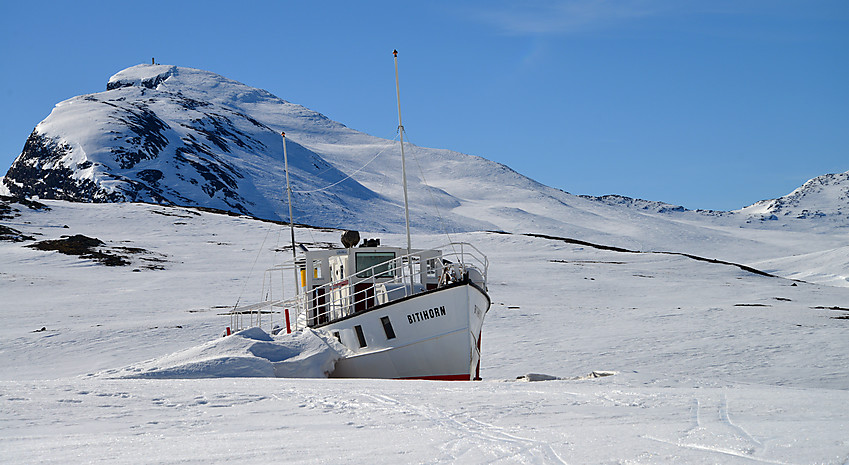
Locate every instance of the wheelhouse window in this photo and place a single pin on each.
(431, 268)
(377, 264)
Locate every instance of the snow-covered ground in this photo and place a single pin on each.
(713, 364)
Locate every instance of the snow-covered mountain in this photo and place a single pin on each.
(182, 136)
(825, 196)
(170, 135)
(173, 135)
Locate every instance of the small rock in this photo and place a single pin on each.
(536, 377)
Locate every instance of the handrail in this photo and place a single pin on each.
(361, 289)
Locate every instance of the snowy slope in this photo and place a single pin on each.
(825, 197)
(713, 364)
(175, 135)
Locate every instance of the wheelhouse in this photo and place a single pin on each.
(338, 283)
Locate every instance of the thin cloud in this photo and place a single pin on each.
(558, 17)
(548, 17)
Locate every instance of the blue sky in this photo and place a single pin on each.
(707, 104)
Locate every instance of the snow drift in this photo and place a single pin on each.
(250, 353)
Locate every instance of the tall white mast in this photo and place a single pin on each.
(403, 168)
(291, 220)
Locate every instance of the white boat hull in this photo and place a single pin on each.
(436, 336)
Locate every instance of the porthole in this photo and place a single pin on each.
(360, 336)
(387, 327)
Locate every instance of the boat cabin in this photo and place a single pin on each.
(342, 282)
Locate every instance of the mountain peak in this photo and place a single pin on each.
(825, 196)
(143, 75)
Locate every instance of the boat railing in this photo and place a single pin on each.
(359, 291)
(389, 281)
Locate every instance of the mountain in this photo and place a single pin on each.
(825, 196)
(170, 135)
(180, 136)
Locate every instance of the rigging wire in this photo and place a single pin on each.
(330, 166)
(429, 189)
(388, 145)
(256, 259)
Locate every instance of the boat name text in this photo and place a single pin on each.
(426, 314)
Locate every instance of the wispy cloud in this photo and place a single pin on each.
(557, 17)
(570, 16)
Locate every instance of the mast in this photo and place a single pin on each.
(291, 220)
(403, 170)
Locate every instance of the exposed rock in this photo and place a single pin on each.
(13, 235)
(38, 172)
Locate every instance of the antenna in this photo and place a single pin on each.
(291, 220)
(403, 170)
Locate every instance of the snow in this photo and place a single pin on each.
(621, 330)
(817, 266)
(140, 74)
(823, 196)
(248, 353)
(710, 363)
(179, 135)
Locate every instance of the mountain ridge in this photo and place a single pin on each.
(181, 136)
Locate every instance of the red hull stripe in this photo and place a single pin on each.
(442, 378)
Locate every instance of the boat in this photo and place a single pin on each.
(402, 313)
(397, 324)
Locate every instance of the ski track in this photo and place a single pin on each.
(484, 437)
(724, 418)
(716, 450)
(710, 423)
